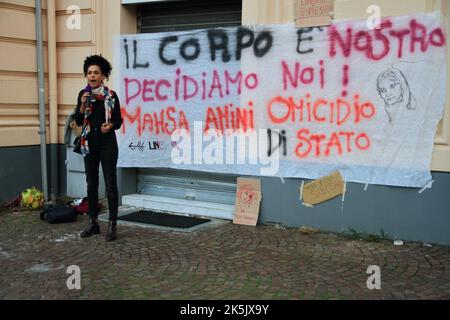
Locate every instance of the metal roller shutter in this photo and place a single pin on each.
(192, 186)
(189, 185)
(188, 15)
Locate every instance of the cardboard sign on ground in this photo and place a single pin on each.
(323, 189)
(248, 198)
(313, 13)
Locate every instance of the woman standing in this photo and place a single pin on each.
(98, 112)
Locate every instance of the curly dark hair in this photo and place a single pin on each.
(99, 61)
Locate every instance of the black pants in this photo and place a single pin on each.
(102, 149)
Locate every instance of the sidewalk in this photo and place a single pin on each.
(219, 262)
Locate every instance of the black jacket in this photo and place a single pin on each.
(97, 117)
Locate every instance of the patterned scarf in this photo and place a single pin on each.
(101, 93)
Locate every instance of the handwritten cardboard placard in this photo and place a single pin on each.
(323, 189)
(248, 198)
(313, 13)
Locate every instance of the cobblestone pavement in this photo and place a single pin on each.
(220, 262)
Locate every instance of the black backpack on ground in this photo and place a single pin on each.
(59, 214)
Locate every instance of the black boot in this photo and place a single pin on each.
(94, 228)
(112, 230)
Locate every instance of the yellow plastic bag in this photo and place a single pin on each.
(32, 198)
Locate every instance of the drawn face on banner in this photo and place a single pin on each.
(390, 90)
(393, 88)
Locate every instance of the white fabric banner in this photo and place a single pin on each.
(281, 101)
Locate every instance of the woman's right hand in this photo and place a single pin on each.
(83, 101)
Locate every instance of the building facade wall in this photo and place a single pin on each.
(19, 106)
